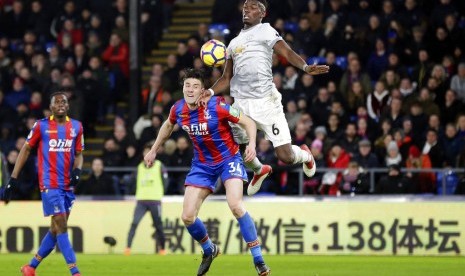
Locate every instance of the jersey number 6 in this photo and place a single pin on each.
(275, 130)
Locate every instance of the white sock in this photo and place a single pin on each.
(255, 165)
(300, 156)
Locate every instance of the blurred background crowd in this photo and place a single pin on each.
(394, 97)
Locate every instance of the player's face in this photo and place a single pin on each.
(252, 13)
(59, 105)
(192, 89)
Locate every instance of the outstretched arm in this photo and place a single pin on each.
(220, 85)
(163, 135)
(283, 49)
(251, 130)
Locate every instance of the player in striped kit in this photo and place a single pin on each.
(249, 77)
(59, 141)
(215, 155)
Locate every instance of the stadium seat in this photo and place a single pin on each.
(219, 28)
(316, 60)
(291, 27)
(452, 180)
(49, 46)
(341, 61)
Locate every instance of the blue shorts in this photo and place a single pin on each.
(205, 176)
(57, 201)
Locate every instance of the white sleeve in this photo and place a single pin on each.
(270, 35)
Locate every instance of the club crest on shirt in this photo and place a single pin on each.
(72, 132)
(207, 115)
(239, 49)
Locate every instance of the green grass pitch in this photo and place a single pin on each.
(238, 265)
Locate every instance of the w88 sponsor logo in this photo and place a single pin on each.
(60, 145)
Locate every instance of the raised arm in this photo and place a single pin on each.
(283, 49)
(223, 82)
(251, 130)
(163, 135)
(220, 85)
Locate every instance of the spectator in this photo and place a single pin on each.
(265, 154)
(152, 95)
(80, 58)
(89, 87)
(365, 158)
(75, 99)
(321, 107)
(151, 131)
(307, 41)
(182, 157)
(116, 55)
(185, 59)
(349, 141)
(292, 115)
(425, 181)
(132, 158)
(354, 180)
(39, 21)
(378, 61)
(19, 95)
(14, 22)
(356, 97)
(121, 28)
(69, 13)
(457, 83)
(427, 103)
(71, 31)
(451, 145)
(377, 101)
(354, 73)
(98, 183)
(337, 159)
(94, 44)
(394, 113)
(112, 155)
(300, 135)
(394, 182)
(422, 68)
(334, 129)
(202, 34)
(393, 156)
(433, 149)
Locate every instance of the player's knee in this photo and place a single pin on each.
(287, 158)
(187, 219)
(237, 209)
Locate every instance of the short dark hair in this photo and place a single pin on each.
(191, 73)
(59, 92)
(264, 2)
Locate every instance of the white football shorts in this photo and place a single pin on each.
(268, 114)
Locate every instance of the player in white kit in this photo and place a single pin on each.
(249, 77)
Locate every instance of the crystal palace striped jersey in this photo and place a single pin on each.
(56, 148)
(208, 127)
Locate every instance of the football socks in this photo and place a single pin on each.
(199, 233)
(46, 246)
(68, 252)
(249, 232)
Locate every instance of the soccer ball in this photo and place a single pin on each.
(213, 53)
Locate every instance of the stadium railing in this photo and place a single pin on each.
(372, 172)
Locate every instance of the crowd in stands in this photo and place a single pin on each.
(394, 97)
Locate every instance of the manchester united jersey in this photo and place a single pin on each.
(56, 148)
(208, 127)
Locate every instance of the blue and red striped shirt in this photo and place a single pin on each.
(56, 146)
(208, 127)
